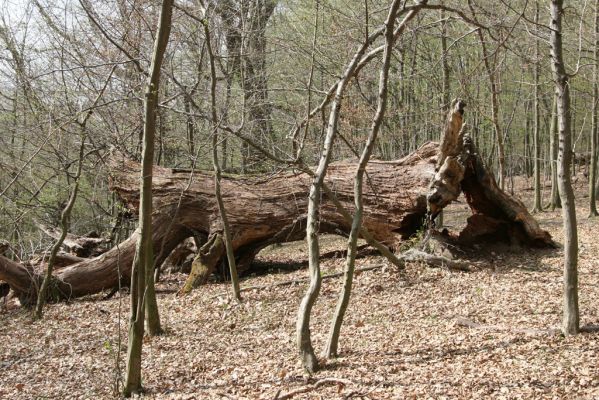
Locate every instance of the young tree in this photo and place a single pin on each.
(553, 149)
(594, 130)
(333, 340)
(214, 128)
(492, 71)
(142, 277)
(304, 341)
(537, 205)
(65, 217)
(570, 323)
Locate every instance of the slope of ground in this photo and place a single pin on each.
(422, 333)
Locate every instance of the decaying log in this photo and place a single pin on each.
(82, 246)
(62, 260)
(262, 211)
(205, 263)
(266, 210)
(179, 259)
(496, 215)
(94, 274)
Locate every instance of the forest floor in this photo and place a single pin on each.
(421, 333)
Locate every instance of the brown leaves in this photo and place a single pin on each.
(399, 340)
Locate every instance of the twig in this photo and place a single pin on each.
(411, 255)
(305, 389)
(471, 324)
(432, 260)
(301, 280)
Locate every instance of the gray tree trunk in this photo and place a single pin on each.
(553, 149)
(217, 169)
(143, 296)
(594, 131)
(254, 79)
(570, 323)
(537, 205)
(333, 340)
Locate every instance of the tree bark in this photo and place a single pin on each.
(594, 130)
(333, 340)
(537, 205)
(263, 211)
(571, 323)
(553, 148)
(460, 169)
(143, 295)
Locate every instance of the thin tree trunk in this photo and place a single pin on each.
(217, 169)
(570, 324)
(553, 148)
(537, 206)
(446, 87)
(143, 296)
(491, 73)
(190, 127)
(304, 341)
(333, 341)
(65, 217)
(594, 131)
(66, 213)
(528, 152)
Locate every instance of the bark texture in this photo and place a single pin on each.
(496, 215)
(263, 211)
(571, 317)
(81, 246)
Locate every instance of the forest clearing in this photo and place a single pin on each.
(406, 334)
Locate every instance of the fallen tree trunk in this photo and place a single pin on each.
(496, 215)
(262, 211)
(266, 210)
(40, 261)
(81, 246)
(92, 275)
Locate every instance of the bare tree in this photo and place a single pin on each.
(570, 324)
(537, 204)
(217, 167)
(333, 340)
(142, 277)
(64, 229)
(594, 129)
(555, 201)
(304, 340)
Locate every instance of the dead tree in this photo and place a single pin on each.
(81, 246)
(263, 211)
(495, 214)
